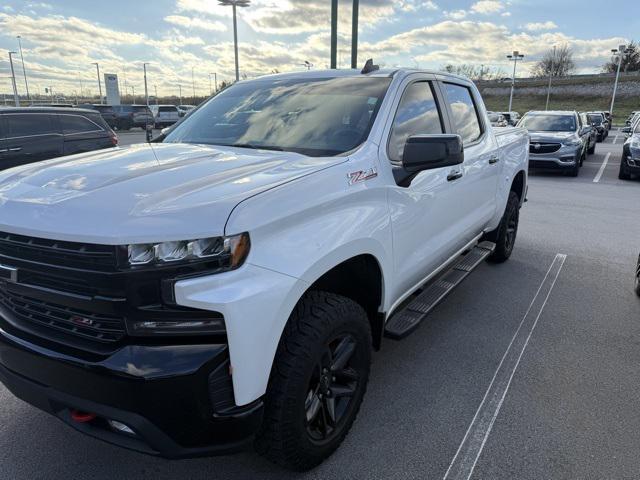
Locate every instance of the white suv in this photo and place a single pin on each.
(165, 115)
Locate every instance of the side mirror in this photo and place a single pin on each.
(626, 130)
(426, 152)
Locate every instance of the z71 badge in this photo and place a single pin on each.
(362, 175)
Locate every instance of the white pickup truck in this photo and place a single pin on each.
(226, 285)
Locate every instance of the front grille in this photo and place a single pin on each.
(86, 325)
(68, 254)
(544, 147)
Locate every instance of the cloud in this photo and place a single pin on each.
(487, 7)
(196, 23)
(456, 14)
(539, 26)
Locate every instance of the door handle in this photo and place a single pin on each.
(454, 175)
(493, 160)
(4, 150)
(15, 149)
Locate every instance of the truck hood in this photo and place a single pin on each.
(142, 193)
(549, 137)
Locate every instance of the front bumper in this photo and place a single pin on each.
(177, 399)
(632, 164)
(564, 158)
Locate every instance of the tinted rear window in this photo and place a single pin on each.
(27, 124)
(72, 124)
(168, 109)
(104, 109)
(141, 110)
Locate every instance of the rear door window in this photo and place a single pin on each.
(417, 114)
(464, 112)
(73, 124)
(168, 109)
(29, 124)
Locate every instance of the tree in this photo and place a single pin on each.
(474, 72)
(558, 63)
(630, 62)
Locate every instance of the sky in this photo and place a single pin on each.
(184, 41)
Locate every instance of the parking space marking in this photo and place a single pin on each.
(615, 139)
(470, 449)
(602, 167)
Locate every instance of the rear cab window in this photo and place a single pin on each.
(465, 116)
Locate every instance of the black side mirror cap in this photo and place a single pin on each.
(626, 130)
(426, 152)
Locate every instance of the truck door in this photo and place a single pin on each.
(424, 213)
(481, 168)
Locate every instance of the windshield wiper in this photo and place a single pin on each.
(257, 147)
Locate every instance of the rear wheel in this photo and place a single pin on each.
(505, 235)
(592, 148)
(319, 378)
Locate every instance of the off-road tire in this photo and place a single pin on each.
(505, 235)
(318, 318)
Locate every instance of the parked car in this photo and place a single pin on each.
(637, 282)
(497, 119)
(558, 140)
(106, 111)
(599, 124)
(632, 125)
(184, 109)
(131, 116)
(609, 118)
(53, 105)
(512, 118)
(630, 117)
(630, 160)
(248, 265)
(165, 115)
(31, 134)
(593, 133)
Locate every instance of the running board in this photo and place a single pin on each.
(408, 319)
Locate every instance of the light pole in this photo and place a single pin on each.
(13, 80)
(24, 70)
(155, 88)
(193, 84)
(180, 90)
(215, 79)
(553, 63)
(235, 4)
(514, 58)
(146, 90)
(334, 34)
(307, 64)
(99, 83)
(354, 34)
(618, 54)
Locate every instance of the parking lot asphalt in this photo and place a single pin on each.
(570, 410)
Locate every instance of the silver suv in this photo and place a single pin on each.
(558, 140)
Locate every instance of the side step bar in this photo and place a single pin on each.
(408, 319)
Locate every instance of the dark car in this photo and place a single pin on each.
(637, 284)
(593, 133)
(32, 134)
(630, 161)
(130, 116)
(609, 118)
(107, 112)
(597, 120)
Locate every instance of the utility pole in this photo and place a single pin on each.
(334, 34)
(354, 34)
(155, 87)
(553, 63)
(146, 90)
(99, 82)
(24, 70)
(13, 80)
(180, 90)
(618, 53)
(514, 58)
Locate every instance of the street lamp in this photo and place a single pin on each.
(13, 80)
(618, 55)
(235, 4)
(354, 34)
(193, 84)
(99, 83)
(146, 90)
(24, 70)
(215, 80)
(307, 64)
(553, 62)
(514, 57)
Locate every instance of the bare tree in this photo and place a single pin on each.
(558, 63)
(630, 62)
(474, 72)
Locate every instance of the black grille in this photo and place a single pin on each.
(54, 252)
(544, 147)
(86, 325)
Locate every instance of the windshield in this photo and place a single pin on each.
(597, 119)
(549, 123)
(315, 117)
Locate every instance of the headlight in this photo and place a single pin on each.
(572, 142)
(229, 251)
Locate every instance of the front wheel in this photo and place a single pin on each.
(622, 173)
(317, 383)
(505, 235)
(592, 148)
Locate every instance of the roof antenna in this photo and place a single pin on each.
(369, 67)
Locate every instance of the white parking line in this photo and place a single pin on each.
(615, 139)
(602, 167)
(465, 459)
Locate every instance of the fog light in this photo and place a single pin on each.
(120, 427)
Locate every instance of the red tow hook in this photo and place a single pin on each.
(82, 417)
